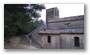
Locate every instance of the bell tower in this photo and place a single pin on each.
(51, 13)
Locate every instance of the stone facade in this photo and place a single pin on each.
(62, 33)
(66, 24)
(62, 41)
(51, 14)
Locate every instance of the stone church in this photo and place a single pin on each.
(61, 33)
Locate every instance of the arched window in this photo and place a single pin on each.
(49, 39)
(76, 41)
(44, 29)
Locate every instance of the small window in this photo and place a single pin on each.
(58, 14)
(44, 29)
(76, 41)
(67, 24)
(49, 39)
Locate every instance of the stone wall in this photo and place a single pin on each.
(51, 14)
(68, 24)
(54, 43)
(67, 41)
(62, 41)
(16, 40)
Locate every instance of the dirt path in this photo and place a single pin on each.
(19, 46)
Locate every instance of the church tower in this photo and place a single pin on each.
(51, 13)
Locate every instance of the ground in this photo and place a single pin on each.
(19, 46)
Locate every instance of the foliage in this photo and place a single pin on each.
(18, 18)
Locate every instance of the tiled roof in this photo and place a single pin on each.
(78, 30)
(80, 17)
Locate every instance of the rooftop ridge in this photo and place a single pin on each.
(80, 17)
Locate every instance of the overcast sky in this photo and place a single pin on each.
(65, 10)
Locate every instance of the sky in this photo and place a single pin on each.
(65, 10)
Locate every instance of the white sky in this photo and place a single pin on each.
(65, 10)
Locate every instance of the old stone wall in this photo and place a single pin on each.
(16, 40)
(62, 41)
(66, 24)
(54, 43)
(67, 41)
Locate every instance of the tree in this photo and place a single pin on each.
(18, 18)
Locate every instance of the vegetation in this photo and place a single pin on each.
(19, 19)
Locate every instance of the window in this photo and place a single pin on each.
(49, 39)
(57, 13)
(44, 29)
(76, 41)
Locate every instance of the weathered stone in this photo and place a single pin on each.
(60, 33)
(15, 40)
(62, 41)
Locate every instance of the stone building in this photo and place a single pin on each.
(60, 33)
